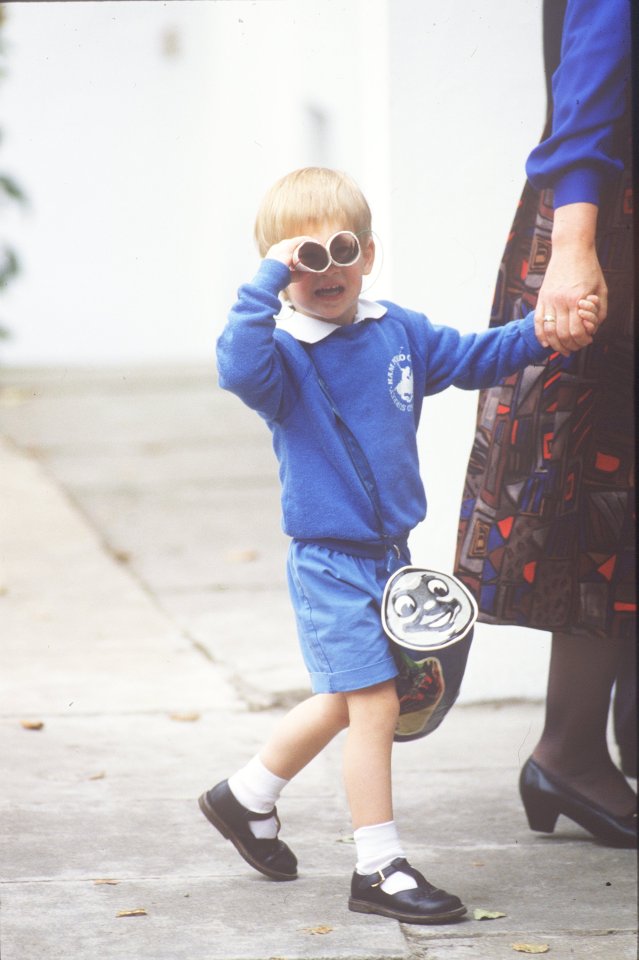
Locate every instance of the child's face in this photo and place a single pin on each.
(332, 296)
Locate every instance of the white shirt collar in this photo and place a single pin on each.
(311, 330)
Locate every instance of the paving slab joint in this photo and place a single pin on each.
(261, 701)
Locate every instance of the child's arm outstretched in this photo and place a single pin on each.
(478, 360)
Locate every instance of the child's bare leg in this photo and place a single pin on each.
(373, 714)
(299, 736)
(383, 882)
(241, 808)
(303, 733)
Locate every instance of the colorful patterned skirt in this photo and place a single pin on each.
(546, 536)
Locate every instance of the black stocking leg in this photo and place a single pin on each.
(625, 707)
(573, 746)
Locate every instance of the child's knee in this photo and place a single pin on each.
(335, 710)
(386, 693)
(391, 702)
(378, 704)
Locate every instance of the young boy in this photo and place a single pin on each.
(338, 359)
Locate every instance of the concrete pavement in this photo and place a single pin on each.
(144, 624)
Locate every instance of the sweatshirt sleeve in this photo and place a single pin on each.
(248, 361)
(589, 88)
(473, 361)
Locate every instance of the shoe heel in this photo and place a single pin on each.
(542, 815)
(360, 906)
(211, 817)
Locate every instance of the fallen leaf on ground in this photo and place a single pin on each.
(121, 556)
(185, 717)
(98, 776)
(531, 947)
(138, 912)
(345, 840)
(321, 929)
(32, 724)
(13, 397)
(480, 914)
(478, 863)
(106, 880)
(242, 556)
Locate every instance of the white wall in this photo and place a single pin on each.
(467, 106)
(145, 134)
(100, 127)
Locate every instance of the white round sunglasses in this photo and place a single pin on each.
(343, 249)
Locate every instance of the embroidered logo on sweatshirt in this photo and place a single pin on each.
(400, 381)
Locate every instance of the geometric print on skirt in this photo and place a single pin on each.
(546, 536)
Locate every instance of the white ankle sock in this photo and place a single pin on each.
(257, 789)
(377, 846)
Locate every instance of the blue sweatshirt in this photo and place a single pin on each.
(590, 90)
(377, 372)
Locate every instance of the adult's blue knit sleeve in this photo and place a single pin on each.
(590, 87)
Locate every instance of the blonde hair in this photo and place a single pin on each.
(307, 198)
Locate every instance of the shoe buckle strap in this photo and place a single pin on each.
(393, 867)
(252, 815)
(383, 876)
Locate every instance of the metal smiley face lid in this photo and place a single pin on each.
(425, 609)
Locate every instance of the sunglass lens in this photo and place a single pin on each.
(312, 255)
(344, 248)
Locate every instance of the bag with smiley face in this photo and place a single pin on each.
(429, 618)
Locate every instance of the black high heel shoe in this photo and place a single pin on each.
(544, 799)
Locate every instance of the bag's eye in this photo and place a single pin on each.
(404, 605)
(438, 588)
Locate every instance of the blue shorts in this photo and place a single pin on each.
(337, 602)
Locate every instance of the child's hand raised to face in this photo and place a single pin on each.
(283, 251)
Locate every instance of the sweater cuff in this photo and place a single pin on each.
(273, 275)
(581, 185)
(529, 335)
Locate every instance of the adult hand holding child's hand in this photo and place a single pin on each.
(567, 327)
(566, 319)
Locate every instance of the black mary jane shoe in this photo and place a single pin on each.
(423, 904)
(271, 857)
(544, 799)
